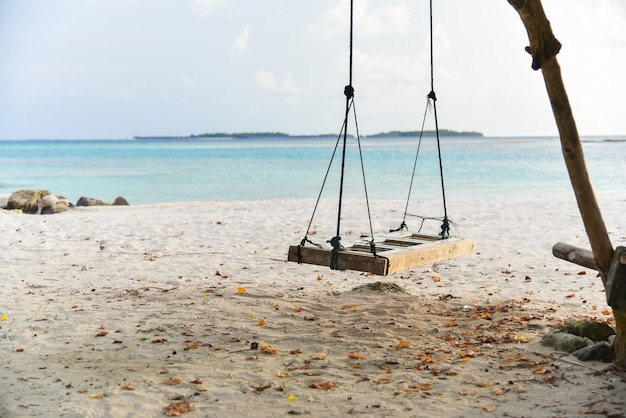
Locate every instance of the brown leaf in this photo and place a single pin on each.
(323, 385)
(383, 381)
(386, 368)
(176, 409)
(127, 387)
(191, 346)
(172, 382)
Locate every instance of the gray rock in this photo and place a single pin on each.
(600, 351)
(26, 200)
(594, 330)
(89, 201)
(120, 201)
(52, 204)
(564, 341)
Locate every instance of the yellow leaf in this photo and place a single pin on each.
(4, 318)
(241, 291)
(403, 344)
(96, 395)
(292, 398)
(522, 338)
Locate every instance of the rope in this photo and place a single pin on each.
(348, 91)
(431, 100)
(445, 227)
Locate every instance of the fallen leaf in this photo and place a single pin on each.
(241, 291)
(489, 408)
(196, 382)
(356, 356)
(466, 392)
(296, 309)
(96, 395)
(266, 348)
(386, 368)
(323, 385)
(172, 382)
(191, 346)
(127, 387)
(403, 344)
(383, 381)
(522, 338)
(176, 409)
(261, 322)
(296, 351)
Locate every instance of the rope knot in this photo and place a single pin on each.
(349, 91)
(334, 255)
(432, 95)
(445, 229)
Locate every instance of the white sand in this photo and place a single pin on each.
(105, 304)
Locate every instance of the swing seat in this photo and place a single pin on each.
(394, 253)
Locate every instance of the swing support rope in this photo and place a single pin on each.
(430, 101)
(343, 137)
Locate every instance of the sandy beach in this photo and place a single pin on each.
(191, 309)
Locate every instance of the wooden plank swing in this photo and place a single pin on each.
(386, 254)
(394, 253)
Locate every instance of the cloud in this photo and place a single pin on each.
(387, 20)
(205, 8)
(240, 46)
(287, 88)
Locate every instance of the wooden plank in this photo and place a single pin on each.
(347, 260)
(616, 281)
(573, 254)
(410, 253)
(429, 253)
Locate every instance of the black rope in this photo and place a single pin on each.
(445, 227)
(431, 100)
(349, 93)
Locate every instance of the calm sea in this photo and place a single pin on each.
(147, 171)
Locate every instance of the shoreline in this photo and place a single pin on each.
(106, 304)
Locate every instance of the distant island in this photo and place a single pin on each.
(242, 135)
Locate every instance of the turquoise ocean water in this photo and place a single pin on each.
(147, 171)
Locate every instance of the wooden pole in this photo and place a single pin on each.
(544, 47)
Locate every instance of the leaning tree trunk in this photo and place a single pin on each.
(544, 47)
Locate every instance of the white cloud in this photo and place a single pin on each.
(387, 20)
(205, 8)
(240, 45)
(287, 87)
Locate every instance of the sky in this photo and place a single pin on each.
(108, 69)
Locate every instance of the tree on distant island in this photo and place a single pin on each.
(442, 132)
